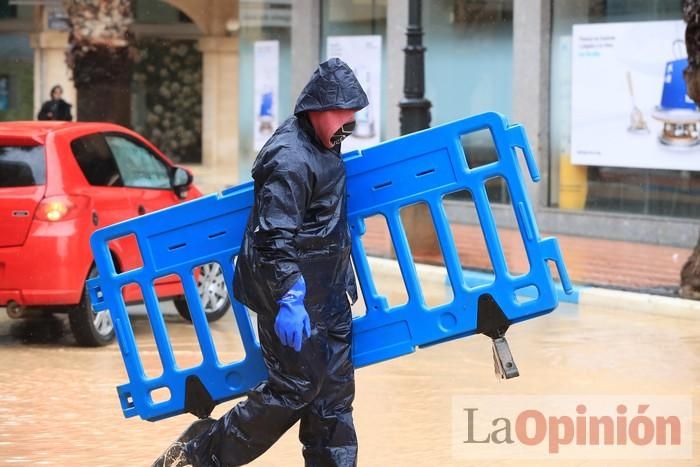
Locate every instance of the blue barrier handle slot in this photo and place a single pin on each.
(519, 139)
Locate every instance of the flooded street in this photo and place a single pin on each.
(59, 406)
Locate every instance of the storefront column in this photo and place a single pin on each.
(396, 23)
(220, 103)
(306, 42)
(50, 68)
(531, 37)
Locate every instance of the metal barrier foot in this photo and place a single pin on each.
(503, 363)
(492, 322)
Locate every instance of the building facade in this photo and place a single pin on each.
(509, 56)
(514, 57)
(184, 96)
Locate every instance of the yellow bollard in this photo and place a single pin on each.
(573, 184)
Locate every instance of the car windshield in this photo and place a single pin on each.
(22, 166)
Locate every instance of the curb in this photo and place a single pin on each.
(668, 307)
(583, 295)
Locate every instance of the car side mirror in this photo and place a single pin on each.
(181, 181)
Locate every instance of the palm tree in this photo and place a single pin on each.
(690, 274)
(101, 58)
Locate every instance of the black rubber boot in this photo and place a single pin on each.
(176, 455)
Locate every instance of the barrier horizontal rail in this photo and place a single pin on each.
(423, 167)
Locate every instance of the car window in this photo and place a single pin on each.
(140, 168)
(22, 166)
(96, 161)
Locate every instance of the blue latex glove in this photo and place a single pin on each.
(292, 319)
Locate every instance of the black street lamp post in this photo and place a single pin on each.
(415, 116)
(415, 108)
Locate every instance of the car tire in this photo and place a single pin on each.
(212, 294)
(90, 329)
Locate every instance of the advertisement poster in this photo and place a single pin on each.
(629, 106)
(266, 88)
(364, 55)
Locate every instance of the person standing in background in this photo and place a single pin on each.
(55, 108)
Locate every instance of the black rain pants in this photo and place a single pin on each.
(315, 386)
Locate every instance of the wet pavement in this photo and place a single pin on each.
(58, 403)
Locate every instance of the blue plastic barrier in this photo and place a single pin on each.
(422, 167)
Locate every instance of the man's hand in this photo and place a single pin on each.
(292, 320)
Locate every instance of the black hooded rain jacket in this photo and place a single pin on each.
(298, 223)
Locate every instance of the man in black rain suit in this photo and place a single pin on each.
(294, 271)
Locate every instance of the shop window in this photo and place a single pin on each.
(650, 178)
(264, 74)
(355, 31)
(16, 76)
(469, 57)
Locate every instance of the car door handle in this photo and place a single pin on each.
(141, 210)
(95, 218)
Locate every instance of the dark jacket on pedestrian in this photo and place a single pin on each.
(55, 109)
(298, 224)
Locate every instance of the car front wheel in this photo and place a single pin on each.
(212, 294)
(90, 329)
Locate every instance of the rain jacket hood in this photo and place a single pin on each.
(332, 86)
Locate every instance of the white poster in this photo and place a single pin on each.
(629, 106)
(364, 55)
(266, 88)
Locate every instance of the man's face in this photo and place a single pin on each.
(333, 126)
(57, 93)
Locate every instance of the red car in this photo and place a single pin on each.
(59, 181)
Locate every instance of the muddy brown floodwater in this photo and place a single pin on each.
(58, 403)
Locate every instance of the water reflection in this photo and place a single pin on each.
(39, 330)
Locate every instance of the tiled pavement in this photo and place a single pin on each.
(605, 263)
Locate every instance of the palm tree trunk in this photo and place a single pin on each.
(690, 274)
(101, 58)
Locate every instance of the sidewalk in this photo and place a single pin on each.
(589, 261)
(211, 179)
(601, 263)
